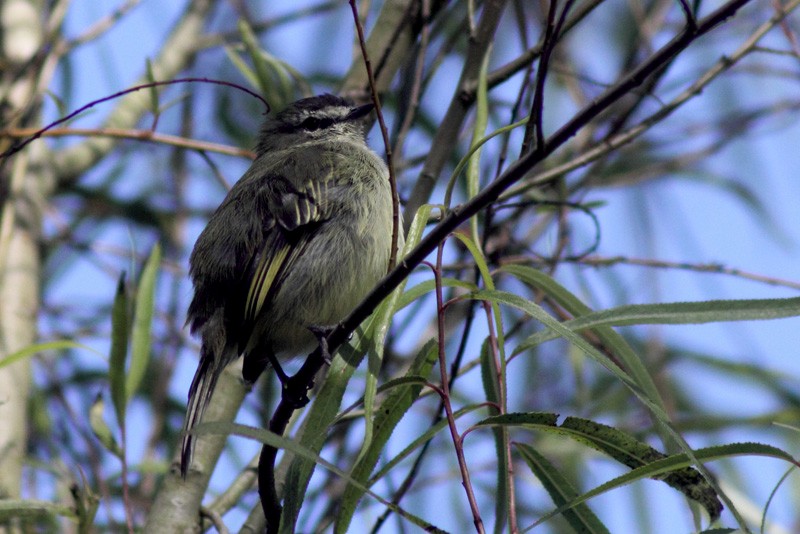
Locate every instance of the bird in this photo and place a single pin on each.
(295, 245)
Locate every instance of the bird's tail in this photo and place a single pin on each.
(205, 379)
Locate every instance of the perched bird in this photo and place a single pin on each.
(296, 244)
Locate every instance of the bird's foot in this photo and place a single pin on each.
(321, 333)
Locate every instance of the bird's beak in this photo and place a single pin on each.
(359, 112)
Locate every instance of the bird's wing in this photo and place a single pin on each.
(297, 208)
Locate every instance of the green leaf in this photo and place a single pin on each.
(141, 342)
(481, 121)
(580, 517)
(545, 420)
(86, 505)
(429, 286)
(119, 350)
(152, 91)
(492, 387)
(420, 441)
(280, 442)
(101, 429)
(676, 462)
(388, 415)
(271, 74)
(607, 335)
(463, 162)
(493, 374)
(654, 403)
(634, 453)
(676, 470)
(36, 348)
(261, 67)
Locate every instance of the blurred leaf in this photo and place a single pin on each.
(86, 504)
(271, 74)
(119, 350)
(152, 91)
(36, 348)
(493, 389)
(100, 428)
(141, 339)
(243, 68)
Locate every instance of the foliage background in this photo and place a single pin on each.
(711, 188)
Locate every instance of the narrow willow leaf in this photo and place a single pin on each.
(36, 348)
(101, 430)
(243, 68)
(421, 440)
(428, 286)
(631, 362)
(491, 380)
(375, 360)
(388, 415)
(634, 453)
(646, 462)
(86, 505)
(280, 442)
(489, 376)
(153, 91)
(119, 350)
(538, 313)
(522, 419)
(710, 311)
(260, 66)
(481, 121)
(493, 373)
(607, 335)
(580, 517)
(141, 341)
(672, 463)
(271, 74)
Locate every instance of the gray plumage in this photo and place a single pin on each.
(297, 242)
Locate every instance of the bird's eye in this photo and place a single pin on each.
(315, 123)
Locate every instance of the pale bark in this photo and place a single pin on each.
(20, 262)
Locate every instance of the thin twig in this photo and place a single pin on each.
(16, 148)
(445, 396)
(396, 225)
(717, 268)
(136, 135)
(534, 134)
